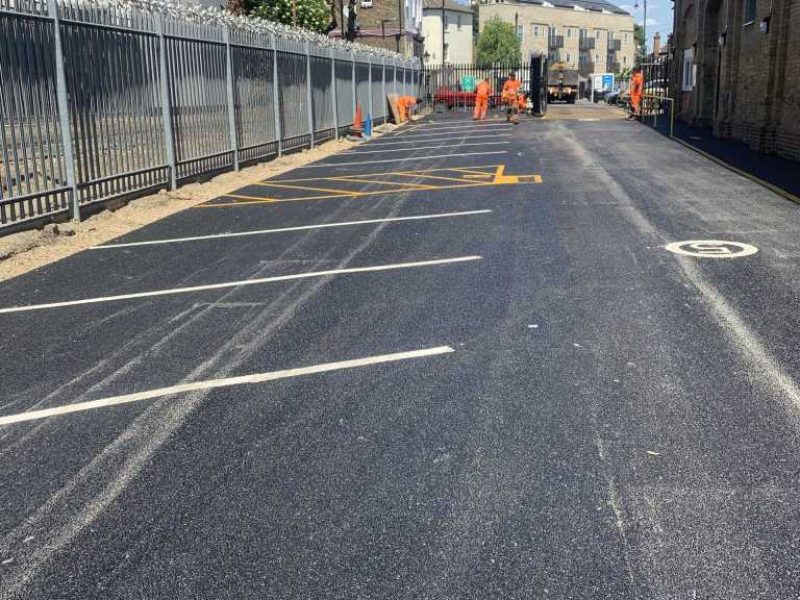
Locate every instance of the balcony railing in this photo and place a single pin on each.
(614, 45)
(556, 41)
(614, 67)
(587, 43)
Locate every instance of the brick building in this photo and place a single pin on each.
(592, 36)
(737, 68)
(392, 24)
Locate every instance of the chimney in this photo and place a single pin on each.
(656, 44)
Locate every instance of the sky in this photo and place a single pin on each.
(659, 17)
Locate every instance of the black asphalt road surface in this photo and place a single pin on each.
(614, 421)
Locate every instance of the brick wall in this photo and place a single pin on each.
(758, 98)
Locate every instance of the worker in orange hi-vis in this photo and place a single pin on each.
(482, 93)
(510, 98)
(523, 102)
(404, 106)
(637, 87)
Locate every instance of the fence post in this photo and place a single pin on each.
(383, 89)
(334, 98)
(276, 107)
(394, 66)
(355, 90)
(309, 94)
(369, 87)
(63, 112)
(166, 109)
(226, 35)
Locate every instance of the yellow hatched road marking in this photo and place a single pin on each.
(472, 171)
(420, 186)
(426, 176)
(305, 188)
(339, 177)
(256, 200)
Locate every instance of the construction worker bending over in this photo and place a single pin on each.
(483, 91)
(637, 87)
(404, 106)
(510, 98)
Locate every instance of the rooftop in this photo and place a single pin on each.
(450, 5)
(590, 5)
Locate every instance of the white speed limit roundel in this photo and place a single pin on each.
(711, 249)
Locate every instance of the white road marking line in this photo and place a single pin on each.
(446, 135)
(352, 152)
(397, 160)
(378, 144)
(485, 125)
(229, 284)
(221, 383)
(286, 229)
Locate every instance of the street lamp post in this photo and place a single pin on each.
(644, 29)
(444, 30)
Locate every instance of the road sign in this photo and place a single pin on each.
(467, 83)
(711, 249)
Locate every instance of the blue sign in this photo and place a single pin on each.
(608, 81)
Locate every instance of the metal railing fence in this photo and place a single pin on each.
(452, 86)
(99, 102)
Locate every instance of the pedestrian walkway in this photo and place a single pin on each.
(778, 173)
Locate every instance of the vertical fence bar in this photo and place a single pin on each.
(63, 110)
(383, 90)
(334, 98)
(309, 95)
(355, 93)
(276, 108)
(226, 33)
(369, 89)
(166, 110)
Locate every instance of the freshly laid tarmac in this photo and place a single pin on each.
(456, 362)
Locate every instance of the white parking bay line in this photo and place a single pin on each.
(229, 284)
(381, 144)
(217, 236)
(397, 160)
(381, 151)
(211, 384)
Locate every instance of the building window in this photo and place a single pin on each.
(520, 32)
(597, 34)
(597, 58)
(689, 70)
(624, 61)
(569, 32)
(447, 53)
(569, 57)
(625, 36)
(749, 11)
(535, 31)
(458, 22)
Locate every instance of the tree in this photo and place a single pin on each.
(638, 39)
(498, 44)
(308, 14)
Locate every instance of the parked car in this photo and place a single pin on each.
(452, 97)
(619, 97)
